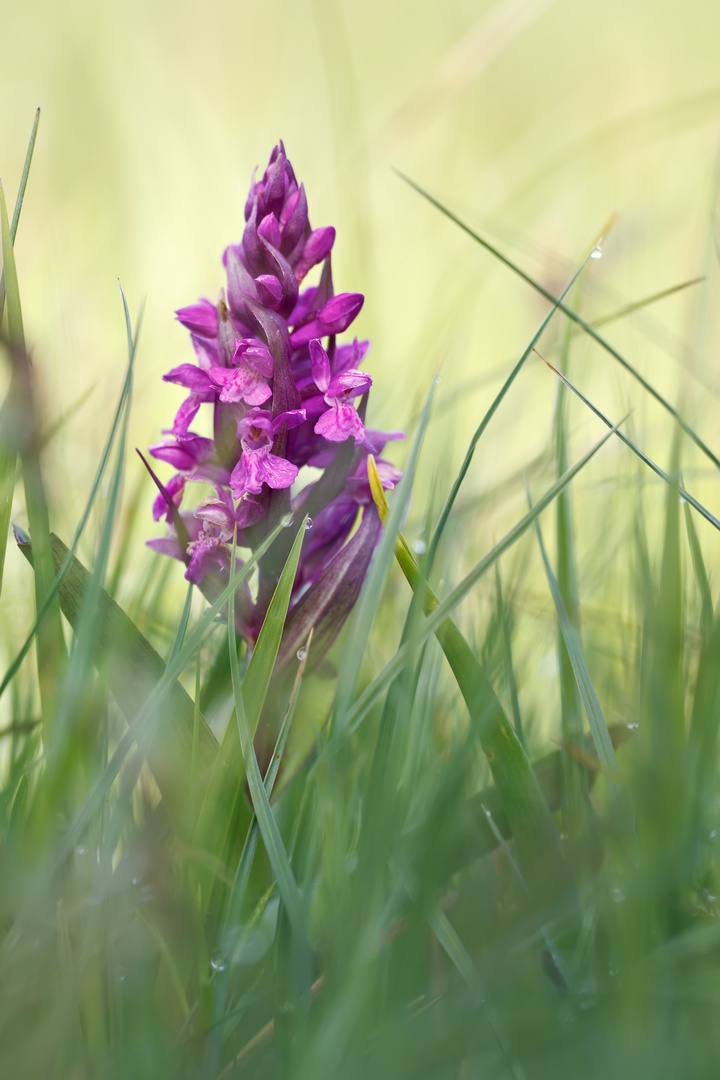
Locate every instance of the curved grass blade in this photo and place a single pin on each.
(19, 201)
(702, 510)
(269, 831)
(587, 327)
(701, 577)
(449, 502)
(364, 701)
(598, 727)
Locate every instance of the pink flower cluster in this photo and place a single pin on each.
(284, 394)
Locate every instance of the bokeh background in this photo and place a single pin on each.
(535, 120)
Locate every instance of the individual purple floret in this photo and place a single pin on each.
(284, 395)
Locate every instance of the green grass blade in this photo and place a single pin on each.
(260, 669)
(19, 201)
(182, 626)
(702, 510)
(701, 576)
(364, 701)
(261, 805)
(598, 727)
(588, 329)
(450, 501)
(50, 645)
(526, 809)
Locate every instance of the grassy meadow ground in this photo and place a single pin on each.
(402, 902)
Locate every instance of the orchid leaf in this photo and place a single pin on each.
(260, 669)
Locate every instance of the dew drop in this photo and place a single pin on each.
(287, 521)
(301, 654)
(633, 727)
(137, 879)
(712, 834)
(618, 896)
(218, 963)
(596, 252)
(438, 380)
(308, 524)
(81, 850)
(419, 547)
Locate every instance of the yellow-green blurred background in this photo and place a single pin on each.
(533, 119)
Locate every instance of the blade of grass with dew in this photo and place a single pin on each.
(367, 606)
(449, 502)
(588, 329)
(266, 822)
(683, 493)
(19, 199)
(51, 644)
(530, 819)
(598, 727)
(364, 701)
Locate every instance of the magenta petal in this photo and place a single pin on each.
(340, 311)
(256, 354)
(206, 554)
(189, 376)
(269, 289)
(241, 384)
(349, 384)
(279, 473)
(339, 423)
(175, 488)
(320, 365)
(270, 230)
(200, 318)
(186, 414)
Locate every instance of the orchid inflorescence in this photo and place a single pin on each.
(284, 395)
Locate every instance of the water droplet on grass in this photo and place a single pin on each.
(287, 521)
(308, 524)
(301, 654)
(218, 963)
(596, 252)
(419, 547)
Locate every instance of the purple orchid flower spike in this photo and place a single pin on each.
(284, 394)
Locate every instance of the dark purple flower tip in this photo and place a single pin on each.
(293, 221)
(317, 246)
(269, 229)
(269, 290)
(200, 318)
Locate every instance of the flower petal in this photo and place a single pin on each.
(339, 423)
